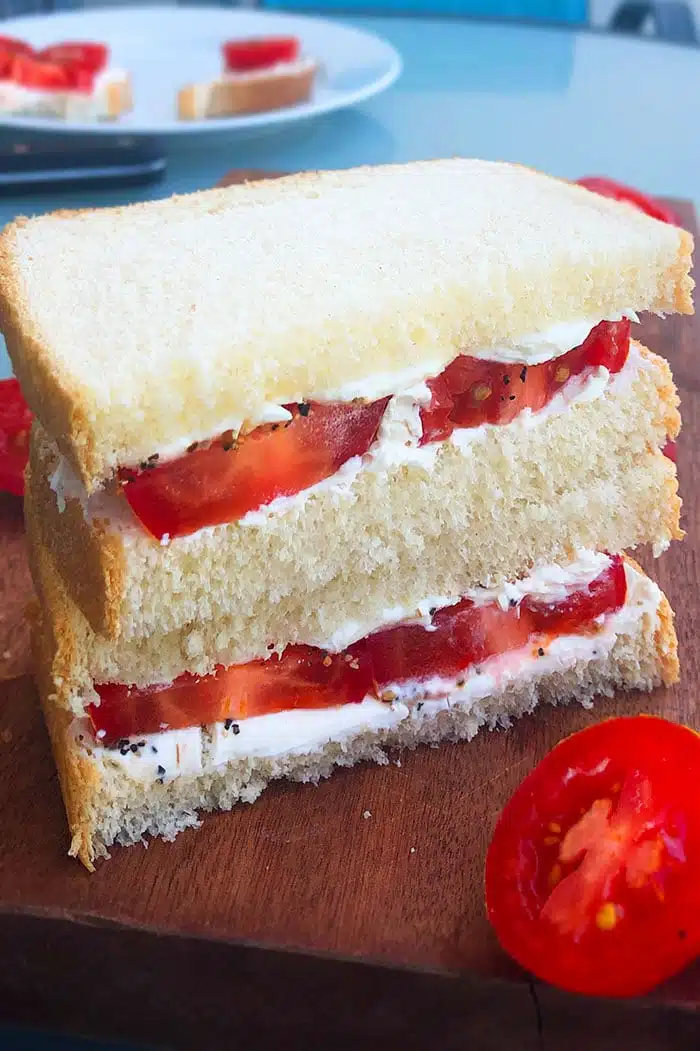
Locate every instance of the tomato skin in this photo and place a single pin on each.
(15, 425)
(592, 871)
(472, 391)
(670, 450)
(619, 192)
(242, 56)
(221, 483)
(39, 75)
(9, 47)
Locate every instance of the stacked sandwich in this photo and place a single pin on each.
(334, 464)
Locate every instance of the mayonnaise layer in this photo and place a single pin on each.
(164, 756)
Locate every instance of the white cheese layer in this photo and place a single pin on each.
(397, 444)
(199, 750)
(19, 101)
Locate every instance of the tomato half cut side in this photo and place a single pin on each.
(224, 481)
(15, 425)
(593, 871)
(619, 192)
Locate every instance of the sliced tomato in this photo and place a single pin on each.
(77, 54)
(607, 592)
(619, 192)
(222, 482)
(472, 391)
(242, 56)
(9, 47)
(593, 871)
(15, 425)
(32, 72)
(303, 677)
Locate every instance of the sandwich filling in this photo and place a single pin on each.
(242, 475)
(457, 654)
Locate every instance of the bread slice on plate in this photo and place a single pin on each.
(257, 91)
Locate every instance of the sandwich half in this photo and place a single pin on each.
(138, 759)
(273, 408)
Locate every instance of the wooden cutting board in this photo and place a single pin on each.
(341, 916)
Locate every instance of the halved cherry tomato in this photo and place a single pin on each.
(619, 192)
(9, 47)
(305, 677)
(77, 54)
(593, 871)
(224, 481)
(241, 56)
(471, 391)
(15, 424)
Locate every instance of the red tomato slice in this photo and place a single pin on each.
(15, 424)
(592, 873)
(31, 72)
(608, 591)
(224, 481)
(241, 56)
(303, 677)
(88, 56)
(9, 47)
(619, 192)
(471, 391)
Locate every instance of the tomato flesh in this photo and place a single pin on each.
(62, 67)
(462, 635)
(77, 55)
(243, 56)
(619, 192)
(222, 482)
(9, 47)
(592, 872)
(471, 391)
(15, 425)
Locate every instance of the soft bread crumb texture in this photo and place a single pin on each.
(592, 477)
(104, 806)
(130, 328)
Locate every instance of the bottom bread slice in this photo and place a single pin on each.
(110, 799)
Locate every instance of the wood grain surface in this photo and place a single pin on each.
(298, 922)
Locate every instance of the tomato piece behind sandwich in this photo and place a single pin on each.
(592, 872)
(619, 192)
(15, 425)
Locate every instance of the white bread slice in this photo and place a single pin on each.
(590, 477)
(134, 328)
(236, 94)
(105, 805)
(109, 100)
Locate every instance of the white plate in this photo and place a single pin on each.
(164, 48)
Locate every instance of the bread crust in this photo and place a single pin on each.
(104, 806)
(232, 591)
(429, 295)
(236, 97)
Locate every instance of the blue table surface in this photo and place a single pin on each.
(570, 103)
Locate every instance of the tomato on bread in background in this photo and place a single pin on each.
(70, 66)
(593, 871)
(15, 424)
(619, 192)
(246, 56)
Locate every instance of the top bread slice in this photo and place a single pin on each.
(131, 329)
